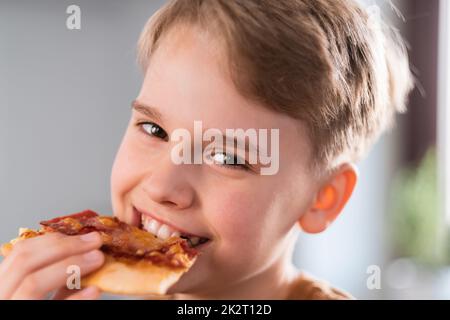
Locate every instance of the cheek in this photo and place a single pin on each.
(124, 175)
(235, 216)
(253, 221)
(241, 222)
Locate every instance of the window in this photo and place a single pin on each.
(443, 107)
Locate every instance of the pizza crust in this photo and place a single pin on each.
(24, 233)
(137, 278)
(6, 249)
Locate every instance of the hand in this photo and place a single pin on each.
(37, 266)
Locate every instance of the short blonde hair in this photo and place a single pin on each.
(328, 63)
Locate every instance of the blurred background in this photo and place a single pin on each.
(64, 106)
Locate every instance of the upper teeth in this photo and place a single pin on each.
(161, 230)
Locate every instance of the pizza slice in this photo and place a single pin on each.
(136, 261)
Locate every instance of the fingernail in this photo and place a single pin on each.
(92, 256)
(90, 237)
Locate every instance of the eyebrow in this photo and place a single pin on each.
(147, 110)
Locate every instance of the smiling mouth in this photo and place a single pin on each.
(164, 231)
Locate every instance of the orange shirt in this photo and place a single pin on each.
(305, 287)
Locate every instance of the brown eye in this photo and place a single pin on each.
(154, 130)
(224, 159)
(228, 160)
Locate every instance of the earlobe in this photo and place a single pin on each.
(330, 200)
(314, 222)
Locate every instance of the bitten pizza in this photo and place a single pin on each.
(136, 261)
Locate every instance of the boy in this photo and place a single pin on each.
(316, 73)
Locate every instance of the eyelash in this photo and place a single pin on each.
(234, 166)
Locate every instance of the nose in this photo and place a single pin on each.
(168, 185)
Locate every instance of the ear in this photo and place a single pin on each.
(330, 199)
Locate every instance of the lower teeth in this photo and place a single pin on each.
(195, 242)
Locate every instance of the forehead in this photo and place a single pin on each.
(188, 79)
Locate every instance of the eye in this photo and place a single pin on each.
(153, 129)
(229, 160)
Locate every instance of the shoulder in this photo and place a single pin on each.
(306, 287)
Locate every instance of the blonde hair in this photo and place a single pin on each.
(330, 64)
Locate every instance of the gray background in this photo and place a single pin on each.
(64, 106)
(67, 96)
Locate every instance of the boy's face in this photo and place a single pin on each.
(247, 216)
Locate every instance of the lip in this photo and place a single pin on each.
(138, 212)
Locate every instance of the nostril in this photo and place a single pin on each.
(170, 196)
(169, 203)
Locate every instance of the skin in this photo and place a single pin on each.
(251, 220)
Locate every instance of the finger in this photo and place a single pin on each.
(32, 254)
(89, 293)
(38, 284)
(62, 293)
(65, 293)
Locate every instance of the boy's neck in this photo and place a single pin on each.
(272, 283)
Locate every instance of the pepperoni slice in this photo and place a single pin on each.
(124, 241)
